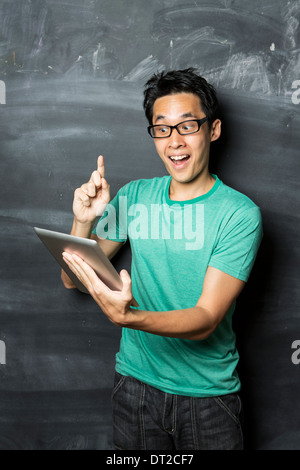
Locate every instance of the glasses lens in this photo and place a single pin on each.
(188, 127)
(160, 131)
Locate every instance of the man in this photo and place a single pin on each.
(193, 242)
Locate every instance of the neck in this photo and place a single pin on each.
(190, 190)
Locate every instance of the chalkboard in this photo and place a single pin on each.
(71, 83)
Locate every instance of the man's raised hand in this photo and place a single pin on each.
(91, 199)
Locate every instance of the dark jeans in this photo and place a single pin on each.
(147, 418)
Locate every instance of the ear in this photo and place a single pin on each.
(215, 130)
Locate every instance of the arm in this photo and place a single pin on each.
(90, 201)
(219, 292)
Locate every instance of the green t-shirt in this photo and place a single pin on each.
(172, 245)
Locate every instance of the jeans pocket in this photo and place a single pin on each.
(231, 404)
(118, 382)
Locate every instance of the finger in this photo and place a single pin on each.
(100, 166)
(86, 274)
(96, 179)
(126, 279)
(89, 189)
(92, 190)
(72, 265)
(103, 198)
(105, 190)
(127, 290)
(82, 196)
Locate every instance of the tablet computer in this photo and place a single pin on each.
(89, 250)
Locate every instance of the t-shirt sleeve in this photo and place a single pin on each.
(112, 225)
(238, 244)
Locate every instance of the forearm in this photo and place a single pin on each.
(196, 323)
(81, 230)
(193, 323)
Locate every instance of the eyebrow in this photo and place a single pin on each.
(161, 117)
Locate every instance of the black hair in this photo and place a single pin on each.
(181, 81)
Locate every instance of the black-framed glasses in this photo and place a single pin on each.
(160, 131)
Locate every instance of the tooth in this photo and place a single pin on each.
(178, 157)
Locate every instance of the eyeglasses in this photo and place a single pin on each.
(161, 131)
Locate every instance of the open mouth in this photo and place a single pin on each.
(179, 160)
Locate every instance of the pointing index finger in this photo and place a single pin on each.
(100, 166)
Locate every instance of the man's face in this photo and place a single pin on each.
(185, 157)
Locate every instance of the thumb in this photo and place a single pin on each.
(126, 279)
(103, 198)
(106, 189)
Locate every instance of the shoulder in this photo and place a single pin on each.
(235, 197)
(237, 211)
(236, 201)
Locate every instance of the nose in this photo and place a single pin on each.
(176, 140)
